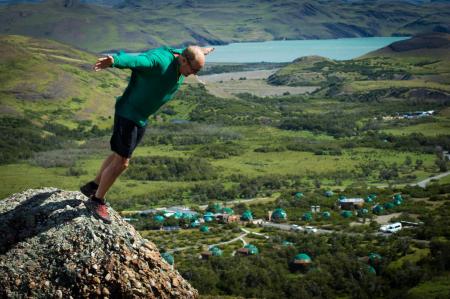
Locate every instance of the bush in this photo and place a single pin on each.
(167, 168)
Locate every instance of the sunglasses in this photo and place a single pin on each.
(193, 70)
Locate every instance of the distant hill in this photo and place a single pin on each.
(299, 72)
(432, 44)
(413, 68)
(135, 25)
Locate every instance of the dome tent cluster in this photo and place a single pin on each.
(225, 214)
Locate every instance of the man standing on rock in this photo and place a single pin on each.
(156, 76)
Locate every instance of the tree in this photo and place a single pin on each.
(441, 164)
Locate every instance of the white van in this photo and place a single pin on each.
(296, 228)
(391, 228)
(310, 229)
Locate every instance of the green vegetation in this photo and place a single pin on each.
(254, 153)
(105, 27)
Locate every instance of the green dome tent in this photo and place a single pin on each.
(378, 209)
(279, 214)
(397, 202)
(287, 243)
(328, 193)
(158, 218)
(303, 258)
(346, 214)
(398, 196)
(177, 215)
(215, 208)
(368, 199)
(168, 258)
(307, 216)
(228, 211)
(204, 229)
(374, 259)
(302, 261)
(362, 212)
(298, 195)
(188, 216)
(195, 223)
(389, 205)
(216, 251)
(252, 249)
(326, 215)
(342, 196)
(247, 216)
(208, 217)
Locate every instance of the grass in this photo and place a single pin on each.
(368, 85)
(258, 87)
(18, 177)
(445, 180)
(414, 258)
(437, 287)
(427, 129)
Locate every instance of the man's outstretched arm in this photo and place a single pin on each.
(123, 61)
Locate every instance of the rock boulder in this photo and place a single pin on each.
(52, 247)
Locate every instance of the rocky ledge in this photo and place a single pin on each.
(52, 247)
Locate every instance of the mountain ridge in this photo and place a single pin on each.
(138, 25)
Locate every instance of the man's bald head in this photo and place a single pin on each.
(195, 55)
(192, 60)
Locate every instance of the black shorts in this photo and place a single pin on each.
(126, 136)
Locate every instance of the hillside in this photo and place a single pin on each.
(432, 45)
(419, 65)
(49, 95)
(52, 247)
(134, 25)
(44, 80)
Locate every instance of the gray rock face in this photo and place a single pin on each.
(52, 247)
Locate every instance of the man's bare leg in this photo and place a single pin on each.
(111, 172)
(105, 164)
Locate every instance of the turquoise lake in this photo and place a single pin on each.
(286, 51)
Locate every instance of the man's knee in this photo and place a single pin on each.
(121, 162)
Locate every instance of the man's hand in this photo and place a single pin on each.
(206, 51)
(103, 63)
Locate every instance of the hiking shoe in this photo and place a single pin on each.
(89, 189)
(99, 208)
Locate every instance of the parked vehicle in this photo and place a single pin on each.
(296, 228)
(310, 229)
(391, 228)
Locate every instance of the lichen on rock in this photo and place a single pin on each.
(52, 247)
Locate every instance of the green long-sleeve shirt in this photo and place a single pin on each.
(154, 80)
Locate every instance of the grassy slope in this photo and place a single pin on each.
(143, 24)
(48, 81)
